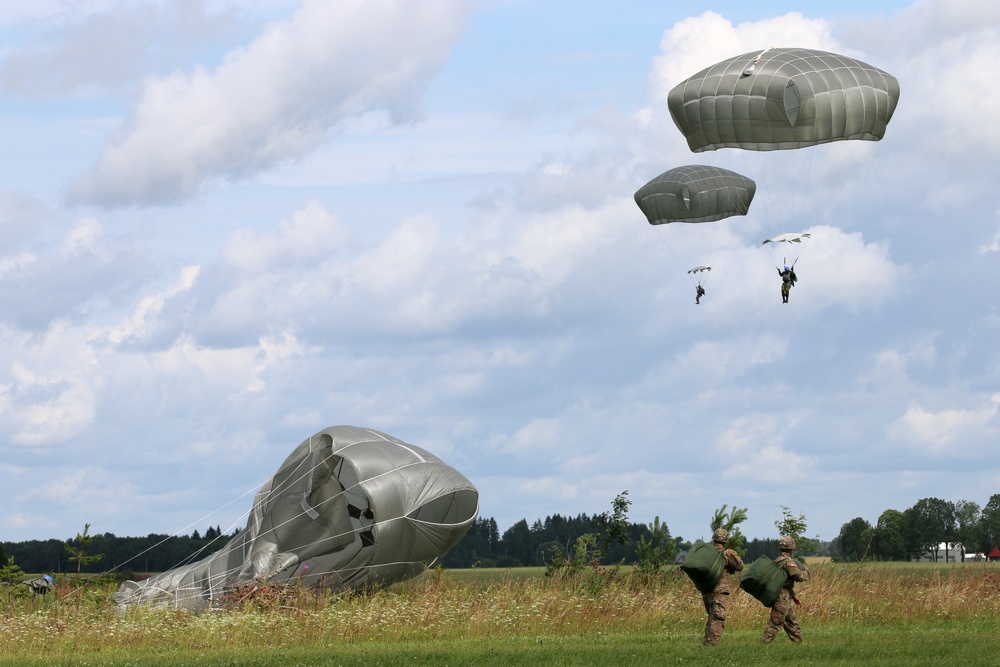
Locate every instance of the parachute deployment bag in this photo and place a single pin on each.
(764, 580)
(704, 565)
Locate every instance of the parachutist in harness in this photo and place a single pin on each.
(788, 278)
(699, 292)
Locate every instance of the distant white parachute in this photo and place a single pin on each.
(782, 245)
(350, 507)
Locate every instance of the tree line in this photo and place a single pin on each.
(153, 553)
(913, 532)
(896, 535)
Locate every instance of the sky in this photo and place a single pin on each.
(226, 225)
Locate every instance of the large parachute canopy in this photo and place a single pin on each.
(695, 193)
(783, 98)
(350, 507)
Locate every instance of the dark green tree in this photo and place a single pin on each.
(854, 541)
(968, 529)
(889, 542)
(928, 523)
(989, 524)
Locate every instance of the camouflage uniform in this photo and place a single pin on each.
(783, 611)
(715, 602)
(788, 278)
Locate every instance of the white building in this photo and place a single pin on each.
(945, 552)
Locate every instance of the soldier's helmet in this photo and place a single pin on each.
(786, 543)
(720, 535)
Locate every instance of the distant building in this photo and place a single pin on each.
(945, 552)
(994, 554)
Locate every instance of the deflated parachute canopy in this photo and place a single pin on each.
(350, 507)
(783, 98)
(695, 193)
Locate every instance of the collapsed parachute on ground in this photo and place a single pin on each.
(783, 98)
(695, 193)
(350, 507)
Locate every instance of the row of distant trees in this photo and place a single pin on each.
(897, 535)
(106, 552)
(556, 541)
(911, 533)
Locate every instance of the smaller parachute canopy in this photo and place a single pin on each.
(788, 238)
(695, 193)
(781, 99)
(699, 269)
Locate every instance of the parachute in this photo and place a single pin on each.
(780, 240)
(349, 508)
(783, 98)
(695, 193)
(782, 103)
(699, 194)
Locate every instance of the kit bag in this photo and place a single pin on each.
(704, 564)
(764, 580)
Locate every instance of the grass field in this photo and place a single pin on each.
(883, 614)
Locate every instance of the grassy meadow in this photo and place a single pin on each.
(877, 614)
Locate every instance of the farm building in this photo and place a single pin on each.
(945, 552)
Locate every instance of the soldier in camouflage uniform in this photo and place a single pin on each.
(783, 611)
(715, 602)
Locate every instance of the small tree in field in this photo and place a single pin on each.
(658, 551)
(590, 548)
(79, 553)
(9, 570)
(795, 527)
(730, 521)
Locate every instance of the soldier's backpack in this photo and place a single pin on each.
(704, 565)
(764, 580)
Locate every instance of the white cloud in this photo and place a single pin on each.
(275, 99)
(958, 432)
(695, 43)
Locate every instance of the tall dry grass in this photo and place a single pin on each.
(444, 605)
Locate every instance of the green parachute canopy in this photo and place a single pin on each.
(783, 98)
(695, 193)
(349, 508)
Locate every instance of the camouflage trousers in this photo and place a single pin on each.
(786, 287)
(715, 607)
(782, 616)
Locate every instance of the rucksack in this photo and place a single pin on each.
(764, 580)
(705, 565)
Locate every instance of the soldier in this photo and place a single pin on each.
(788, 279)
(783, 612)
(699, 292)
(715, 601)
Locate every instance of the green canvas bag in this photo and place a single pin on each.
(704, 565)
(764, 580)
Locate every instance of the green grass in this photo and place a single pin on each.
(852, 614)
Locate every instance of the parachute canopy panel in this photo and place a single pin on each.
(695, 193)
(783, 98)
